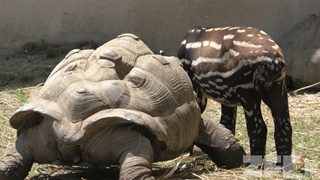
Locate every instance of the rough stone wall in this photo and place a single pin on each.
(161, 24)
(301, 45)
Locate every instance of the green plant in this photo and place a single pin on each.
(20, 95)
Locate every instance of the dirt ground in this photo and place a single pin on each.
(29, 71)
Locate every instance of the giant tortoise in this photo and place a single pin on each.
(119, 104)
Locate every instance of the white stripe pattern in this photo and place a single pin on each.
(215, 45)
(195, 45)
(210, 29)
(228, 36)
(232, 71)
(210, 60)
(246, 44)
(234, 53)
(241, 30)
(185, 61)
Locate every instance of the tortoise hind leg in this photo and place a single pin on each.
(220, 144)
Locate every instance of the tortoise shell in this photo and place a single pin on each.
(120, 82)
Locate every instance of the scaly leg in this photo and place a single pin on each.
(32, 145)
(15, 165)
(220, 144)
(136, 162)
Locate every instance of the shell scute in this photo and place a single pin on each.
(120, 82)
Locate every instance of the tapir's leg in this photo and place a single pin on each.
(220, 144)
(228, 117)
(33, 145)
(256, 127)
(276, 99)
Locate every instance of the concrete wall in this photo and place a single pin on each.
(162, 24)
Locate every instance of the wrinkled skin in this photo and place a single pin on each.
(117, 105)
(134, 152)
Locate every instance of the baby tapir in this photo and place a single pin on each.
(241, 66)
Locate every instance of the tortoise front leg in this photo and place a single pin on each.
(15, 165)
(228, 117)
(36, 144)
(124, 145)
(136, 162)
(135, 167)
